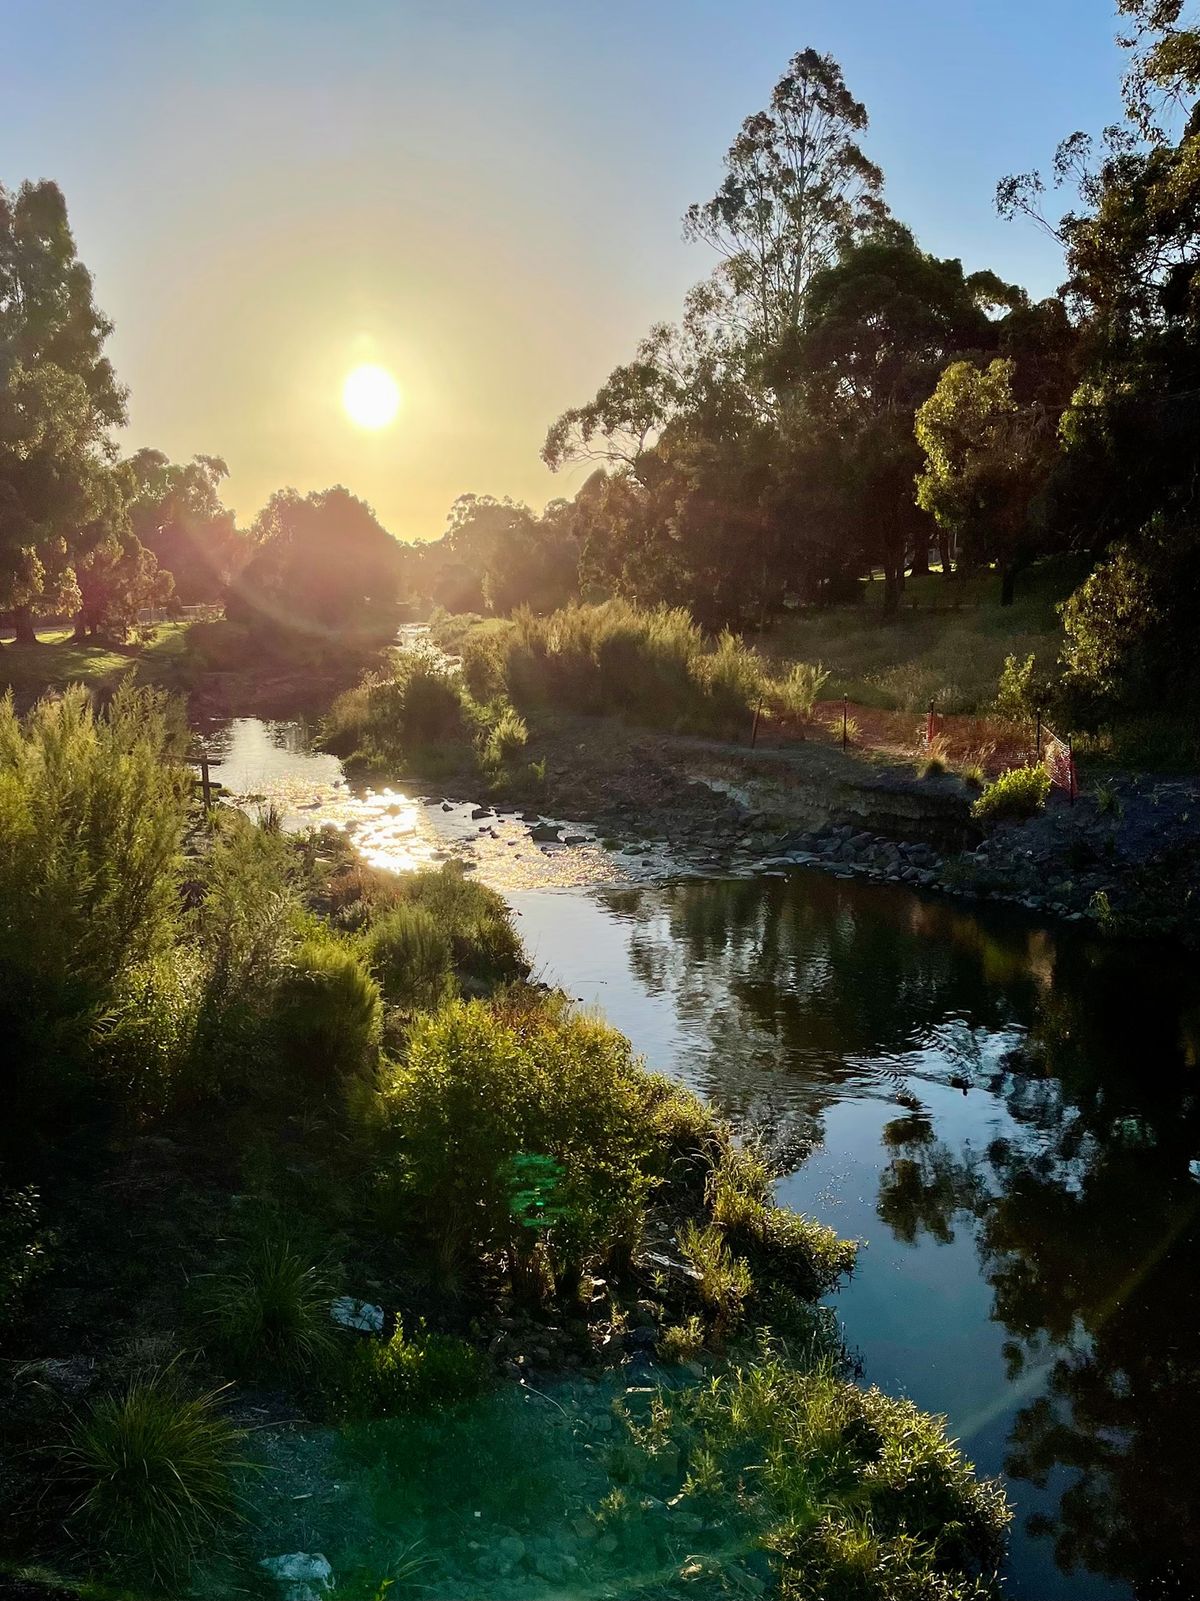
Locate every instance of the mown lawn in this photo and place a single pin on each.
(56, 661)
(947, 645)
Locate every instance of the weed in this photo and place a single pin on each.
(388, 1378)
(723, 1280)
(682, 1342)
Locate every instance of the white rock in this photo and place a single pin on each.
(361, 1315)
(304, 1575)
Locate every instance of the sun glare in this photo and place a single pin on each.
(371, 396)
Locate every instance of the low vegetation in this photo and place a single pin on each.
(1014, 796)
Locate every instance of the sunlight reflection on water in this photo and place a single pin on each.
(265, 764)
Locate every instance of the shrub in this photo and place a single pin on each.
(484, 946)
(388, 1378)
(1020, 793)
(506, 737)
(270, 1313)
(152, 1470)
(92, 808)
(145, 1041)
(782, 1245)
(414, 712)
(482, 1085)
(409, 954)
(682, 1342)
(326, 1016)
(796, 695)
(245, 928)
(22, 1247)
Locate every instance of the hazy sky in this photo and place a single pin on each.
(481, 195)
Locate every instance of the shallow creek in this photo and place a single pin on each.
(1006, 1115)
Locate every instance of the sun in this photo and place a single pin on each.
(371, 396)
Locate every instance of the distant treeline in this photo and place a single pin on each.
(833, 402)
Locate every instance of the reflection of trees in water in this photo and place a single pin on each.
(1086, 1217)
(798, 989)
(1088, 1229)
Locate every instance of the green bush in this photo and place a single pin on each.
(484, 945)
(682, 1342)
(507, 737)
(1020, 793)
(92, 808)
(326, 1018)
(857, 1497)
(389, 1378)
(270, 1312)
(482, 1085)
(152, 1470)
(409, 954)
(723, 1280)
(651, 665)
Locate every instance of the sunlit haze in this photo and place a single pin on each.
(482, 200)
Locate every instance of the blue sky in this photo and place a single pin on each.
(485, 198)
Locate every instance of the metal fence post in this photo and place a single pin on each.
(845, 712)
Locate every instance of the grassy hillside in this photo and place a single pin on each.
(948, 643)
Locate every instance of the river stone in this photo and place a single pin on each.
(511, 1548)
(304, 1575)
(544, 833)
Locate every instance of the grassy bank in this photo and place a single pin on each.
(252, 1081)
(947, 644)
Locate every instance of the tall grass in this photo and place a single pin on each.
(269, 1312)
(153, 1471)
(650, 665)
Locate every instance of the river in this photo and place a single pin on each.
(1007, 1115)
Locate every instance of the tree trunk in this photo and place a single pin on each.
(920, 561)
(26, 634)
(1008, 580)
(893, 580)
(79, 637)
(943, 542)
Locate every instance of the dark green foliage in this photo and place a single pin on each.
(325, 1020)
(269, 1311)
(482, 1085)
(152, 1473)
(322, 564)
(406, 1374)
(650, 665)
(92, 809)
(1014, 796)
(22, 1249)
(409, 953)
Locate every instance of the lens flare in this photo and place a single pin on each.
(370, 396)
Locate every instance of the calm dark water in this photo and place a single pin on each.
(1007, 1116)
(1010, 1120)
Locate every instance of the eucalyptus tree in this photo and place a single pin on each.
(797, 189)
(58, 400)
